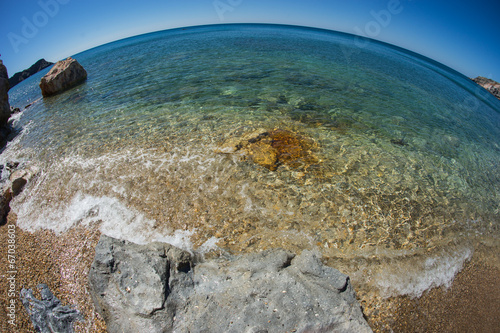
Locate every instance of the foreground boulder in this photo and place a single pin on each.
(4, 97)
(64, 75)
(158, 288)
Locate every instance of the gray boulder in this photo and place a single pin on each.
(4, 97)
(64, 75)
(159, 288)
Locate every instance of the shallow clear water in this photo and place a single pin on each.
(403, 178)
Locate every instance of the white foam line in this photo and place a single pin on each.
(116, 220)
(413, 278)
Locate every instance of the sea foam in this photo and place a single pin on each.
(413, 277)
(115, 218)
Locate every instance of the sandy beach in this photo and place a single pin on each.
(471, 304)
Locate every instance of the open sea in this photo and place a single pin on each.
(391, 173)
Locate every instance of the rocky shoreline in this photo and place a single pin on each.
(63, 263)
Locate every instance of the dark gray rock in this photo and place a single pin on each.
(158, 288)
(47, 314)
(5, 198)
(4, 96)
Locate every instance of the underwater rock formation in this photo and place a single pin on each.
(273, 148)
(160, 288)
(64, 75)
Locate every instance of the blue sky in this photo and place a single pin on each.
(460, 34)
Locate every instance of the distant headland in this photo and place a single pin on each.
(489, 84)
(35, 68)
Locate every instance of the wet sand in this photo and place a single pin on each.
(471, 304)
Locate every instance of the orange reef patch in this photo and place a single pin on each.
(273, 148)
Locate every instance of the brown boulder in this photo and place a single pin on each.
(64, 75)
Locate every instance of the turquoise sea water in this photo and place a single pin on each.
(405, 181)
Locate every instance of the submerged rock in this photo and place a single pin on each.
(47, 314)
(64, 75)
(159, 288)
(273, 148)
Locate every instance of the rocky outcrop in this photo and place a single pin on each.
(18, 178)
(64, 75)
(35, 68)
(21, 177)
(47, 314)
(488, 84)
(4, 97)
(160, 288)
